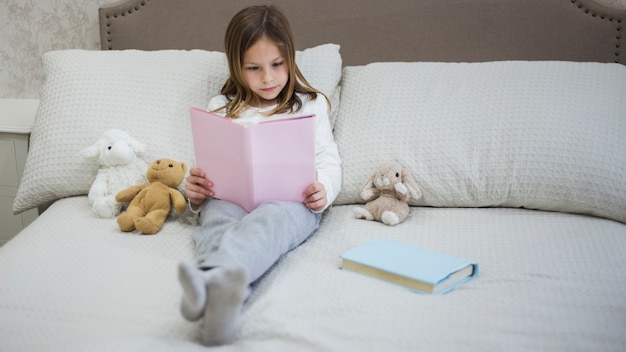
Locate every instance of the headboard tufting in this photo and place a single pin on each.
(393, 30)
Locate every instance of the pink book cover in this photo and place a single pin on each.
(250, 164)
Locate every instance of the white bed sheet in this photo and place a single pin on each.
(547, 281)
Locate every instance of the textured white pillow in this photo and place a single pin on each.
(542, 135)
(321, 66)
(146, 93)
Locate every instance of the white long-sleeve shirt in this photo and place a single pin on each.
(327, 160)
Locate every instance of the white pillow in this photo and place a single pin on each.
(146, 93)
(542, 135)
(321, 66)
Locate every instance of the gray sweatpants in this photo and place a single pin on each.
(230, 236)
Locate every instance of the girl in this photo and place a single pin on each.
(234, 247)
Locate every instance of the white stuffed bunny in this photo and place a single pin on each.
(387, 193)
(120, 166)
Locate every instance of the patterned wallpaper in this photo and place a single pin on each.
(29, 28)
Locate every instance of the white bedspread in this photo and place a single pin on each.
(548, 281)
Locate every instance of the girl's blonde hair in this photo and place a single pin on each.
(244, 30)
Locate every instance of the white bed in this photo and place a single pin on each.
(538, 202)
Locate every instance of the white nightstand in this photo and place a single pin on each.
(16, 122)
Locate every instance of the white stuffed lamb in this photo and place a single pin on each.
(120, 166)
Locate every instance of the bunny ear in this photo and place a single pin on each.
(369, 184)
(408, 180)
(368, 191)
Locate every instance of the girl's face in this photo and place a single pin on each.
(265, 71)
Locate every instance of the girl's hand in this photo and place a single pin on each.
(198, 187)
(315, 196)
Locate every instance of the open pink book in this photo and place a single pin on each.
(271, 160)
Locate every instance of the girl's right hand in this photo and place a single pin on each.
(197, 186)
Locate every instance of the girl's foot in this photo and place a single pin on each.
(227, 290)
(193, 283)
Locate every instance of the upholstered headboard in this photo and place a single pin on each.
(392, 30)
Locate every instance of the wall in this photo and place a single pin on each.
(29, 28)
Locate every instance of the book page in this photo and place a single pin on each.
(222, 150)
(283, 159)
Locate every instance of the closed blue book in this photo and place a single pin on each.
(413, 267)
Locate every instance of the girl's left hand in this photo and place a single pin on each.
(315, 196)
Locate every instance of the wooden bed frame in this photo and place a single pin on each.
(394, 30)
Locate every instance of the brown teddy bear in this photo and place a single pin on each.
(151, 203)
(387, 193)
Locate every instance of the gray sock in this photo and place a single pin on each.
(227, 290)
(193, 282)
